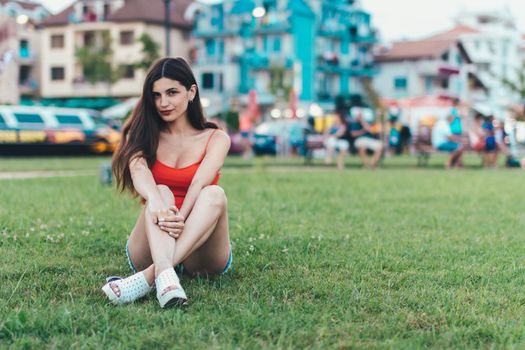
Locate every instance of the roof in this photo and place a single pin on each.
(413, 50)
(25, 5)
(454, 33)
(431, 47)
(136, 11)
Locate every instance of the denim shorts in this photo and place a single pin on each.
(448, 146)
(180, 267)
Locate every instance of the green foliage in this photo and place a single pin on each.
(97, 61)
(232, 120)
(399, 258)
(279, 86)
(150, 51)
(517, 86)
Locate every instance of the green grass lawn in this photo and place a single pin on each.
(400, 257)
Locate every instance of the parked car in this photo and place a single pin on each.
(280, 136)
(49, 128)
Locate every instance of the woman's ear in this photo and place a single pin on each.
(192, 92)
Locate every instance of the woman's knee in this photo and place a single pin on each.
(166, 193)
(214, 195)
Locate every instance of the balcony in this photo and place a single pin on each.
(332, 28)
(273, 22)
(213, 27)
(214, 32)
(26, 55)
(363, 39)
(265, 61)
(332, 63)
(28, 87)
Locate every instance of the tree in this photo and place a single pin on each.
(375, 100)
(517, 87)
(150, 51)
(279, 86)
(97, 61)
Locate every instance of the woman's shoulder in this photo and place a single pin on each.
(218, 136)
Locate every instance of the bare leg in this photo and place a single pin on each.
(204, 244)
(329, 154)
(364, 157)
(377, 156)
(341, 159)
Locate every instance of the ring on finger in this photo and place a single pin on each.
(161, 219)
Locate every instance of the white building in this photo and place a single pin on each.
(436, 66)
(19, 49)
(82, 25)
(495, 51)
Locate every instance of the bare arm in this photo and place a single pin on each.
(208, 169)
(340, 131)
(147, 188)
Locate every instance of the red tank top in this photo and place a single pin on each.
(179, 179)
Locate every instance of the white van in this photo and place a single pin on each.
(64, 127)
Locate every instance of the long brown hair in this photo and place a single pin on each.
(141, 132)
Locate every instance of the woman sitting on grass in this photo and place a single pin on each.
(171, 157)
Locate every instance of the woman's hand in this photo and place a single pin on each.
(173, 224)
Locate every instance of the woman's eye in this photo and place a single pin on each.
(171, 93)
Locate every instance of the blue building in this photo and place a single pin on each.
(319, 49)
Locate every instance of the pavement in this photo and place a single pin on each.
(31, 174)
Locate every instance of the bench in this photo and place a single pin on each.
(423, 148)
(312, 142)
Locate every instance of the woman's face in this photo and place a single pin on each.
(172, 98)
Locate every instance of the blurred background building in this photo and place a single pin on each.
(19, 49)
(312, 51)
(98, 50)
(475, 61)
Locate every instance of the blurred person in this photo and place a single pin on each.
(335, 140)
(444, 140)
(394, 129)
(491, 155)
(456, 126)
(171, 157)
(477, 133)
(360, 131)
(246, 126)
(499, 135)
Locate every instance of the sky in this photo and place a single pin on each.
(406, 19)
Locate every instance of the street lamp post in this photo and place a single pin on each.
(167, 25)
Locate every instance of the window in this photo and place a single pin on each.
(270, 5)
(30, 120)
(210, 47)
(276, 44)
(221, 48)
(24, 74)
(429, 82)
(128, 71)
(3, 124)
(207, 80)
(89, 39)
(57, 73)
(107, 10)
(127, 37)
(444, 83)
(69, 120)
(24, 49)
(400, 83)
(57, 41)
